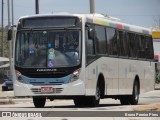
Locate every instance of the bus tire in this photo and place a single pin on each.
(39, 102)
(133, 99)
(124, 100)
(79, 101)
(93, 101)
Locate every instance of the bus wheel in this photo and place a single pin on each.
(133, 99)
(124, 100)
(93, 101)
(39, 102)
(79, 102)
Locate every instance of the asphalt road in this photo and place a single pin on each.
(151, 97)
(25, 104)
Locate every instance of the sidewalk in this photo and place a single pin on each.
(6, 94)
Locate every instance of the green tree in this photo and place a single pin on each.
(5, 43)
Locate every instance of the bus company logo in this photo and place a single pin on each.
(6, 114)
(43, 70)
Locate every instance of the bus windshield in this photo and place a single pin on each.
(48, 48)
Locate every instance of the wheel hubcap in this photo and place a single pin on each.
(97, 94)
(136, 93)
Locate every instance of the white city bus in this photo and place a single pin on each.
(84, 57)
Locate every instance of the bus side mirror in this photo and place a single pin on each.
(9, 35)
(90, 33)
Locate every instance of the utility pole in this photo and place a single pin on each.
(10, 42)
(92, 7)
(12, 13)
(37, 6)
(2, 29)
(9, 25)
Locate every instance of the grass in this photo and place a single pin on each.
(151, 107)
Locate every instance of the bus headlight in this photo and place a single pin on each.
(19, 77)
(75, 75)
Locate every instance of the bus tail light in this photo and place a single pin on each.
(75, 75)
(156, 58)
(19, 77)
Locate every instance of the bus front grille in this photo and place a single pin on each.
(47, 75)
(44, 83)
(38, 91)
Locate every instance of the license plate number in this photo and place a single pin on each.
(46, 89)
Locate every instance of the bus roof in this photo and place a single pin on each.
(100, 20)
(107, 21)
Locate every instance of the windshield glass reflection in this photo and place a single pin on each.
(54, 48)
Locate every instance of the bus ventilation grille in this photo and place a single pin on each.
(38, 91)
(43, 83)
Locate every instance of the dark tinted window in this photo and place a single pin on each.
(123, 47)
(149, 47)
(141, 47)
(100, 38)
(90, 47)
(132, 40)
(112, 41)
(48, 49)
(90, 44)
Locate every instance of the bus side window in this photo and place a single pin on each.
(123, 44)
(90, 46)
(141, 47)
(132, 40)
(101, 41)
(149, 48)
(112, 41)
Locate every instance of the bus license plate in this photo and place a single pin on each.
(46, 89)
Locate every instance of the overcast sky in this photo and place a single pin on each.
(137, 12)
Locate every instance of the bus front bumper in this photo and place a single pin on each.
(71, 89)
